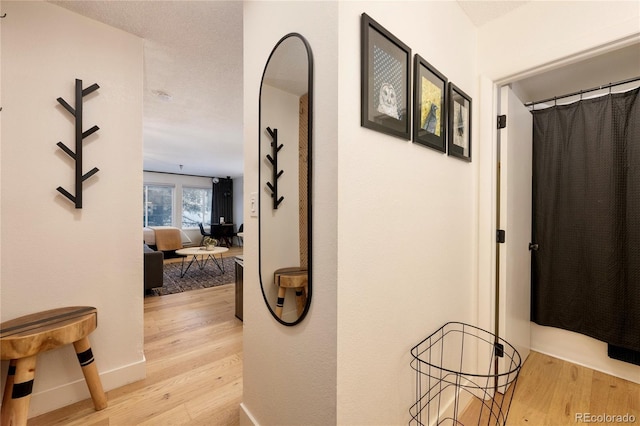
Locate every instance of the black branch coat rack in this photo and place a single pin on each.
(80, 135)
(274, 162)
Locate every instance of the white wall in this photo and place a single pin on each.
(542, 34)
(536, 37)
(53, 254)
(406, 227)
(290, 372)
(407, 220)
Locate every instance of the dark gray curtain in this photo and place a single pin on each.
(222, 201)
(586, 196)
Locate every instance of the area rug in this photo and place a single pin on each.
(195, 278)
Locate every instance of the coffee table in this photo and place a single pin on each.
(205, 256)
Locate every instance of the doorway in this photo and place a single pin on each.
(567, 77)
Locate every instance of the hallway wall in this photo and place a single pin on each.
(290, 372)
(395, 229)
(53, 254)
(407, 229)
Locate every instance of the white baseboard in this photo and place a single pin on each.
(246, 419)
(69, 393)
(464, 399)
(580, 349)
(444, 409)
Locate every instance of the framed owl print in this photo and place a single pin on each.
(429, 105)
(385, 81)
(459, 131)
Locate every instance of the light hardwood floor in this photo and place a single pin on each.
(552, 392)
(193, 346)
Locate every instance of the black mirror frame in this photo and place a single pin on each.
(309, 180)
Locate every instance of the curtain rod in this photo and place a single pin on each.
(582, 92)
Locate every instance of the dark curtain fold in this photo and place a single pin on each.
(222, 201)
(586, 197)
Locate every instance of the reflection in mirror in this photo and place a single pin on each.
(285, 129)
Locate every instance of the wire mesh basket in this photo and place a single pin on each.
(464, 375)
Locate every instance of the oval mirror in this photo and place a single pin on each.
(284, 197)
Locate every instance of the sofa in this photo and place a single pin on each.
(153, 268)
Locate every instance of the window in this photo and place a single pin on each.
(157, 205)
(196, 206)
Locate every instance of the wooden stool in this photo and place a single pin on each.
(296, 278)
(22, 339)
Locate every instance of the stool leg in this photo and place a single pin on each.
(301, 300)
(6, 398)
(17, 409)
(281, 293)
(90, 371)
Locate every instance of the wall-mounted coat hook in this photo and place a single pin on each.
(4, 15)
(80, 135)
(274, 162)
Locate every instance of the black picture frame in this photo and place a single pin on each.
(460, 117)
(430, 108)
(385, 81)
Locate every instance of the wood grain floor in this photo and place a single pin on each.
(193, 346)
(552, 392)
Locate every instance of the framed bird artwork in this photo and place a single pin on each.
(385, 82)
(429, 105)
(459, 131)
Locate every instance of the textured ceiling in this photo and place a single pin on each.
(192, 80)
(193, 76)
(481, 12)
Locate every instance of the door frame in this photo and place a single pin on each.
(487, 152)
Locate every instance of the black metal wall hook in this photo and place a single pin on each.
(4, 15)
(80, 135)
(273, 159)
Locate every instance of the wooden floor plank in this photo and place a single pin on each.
(193, 347)
(551, 392)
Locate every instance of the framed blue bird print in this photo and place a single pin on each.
(429, 105)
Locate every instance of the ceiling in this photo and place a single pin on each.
(481, 12)
(192, 80)
(193, 52)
